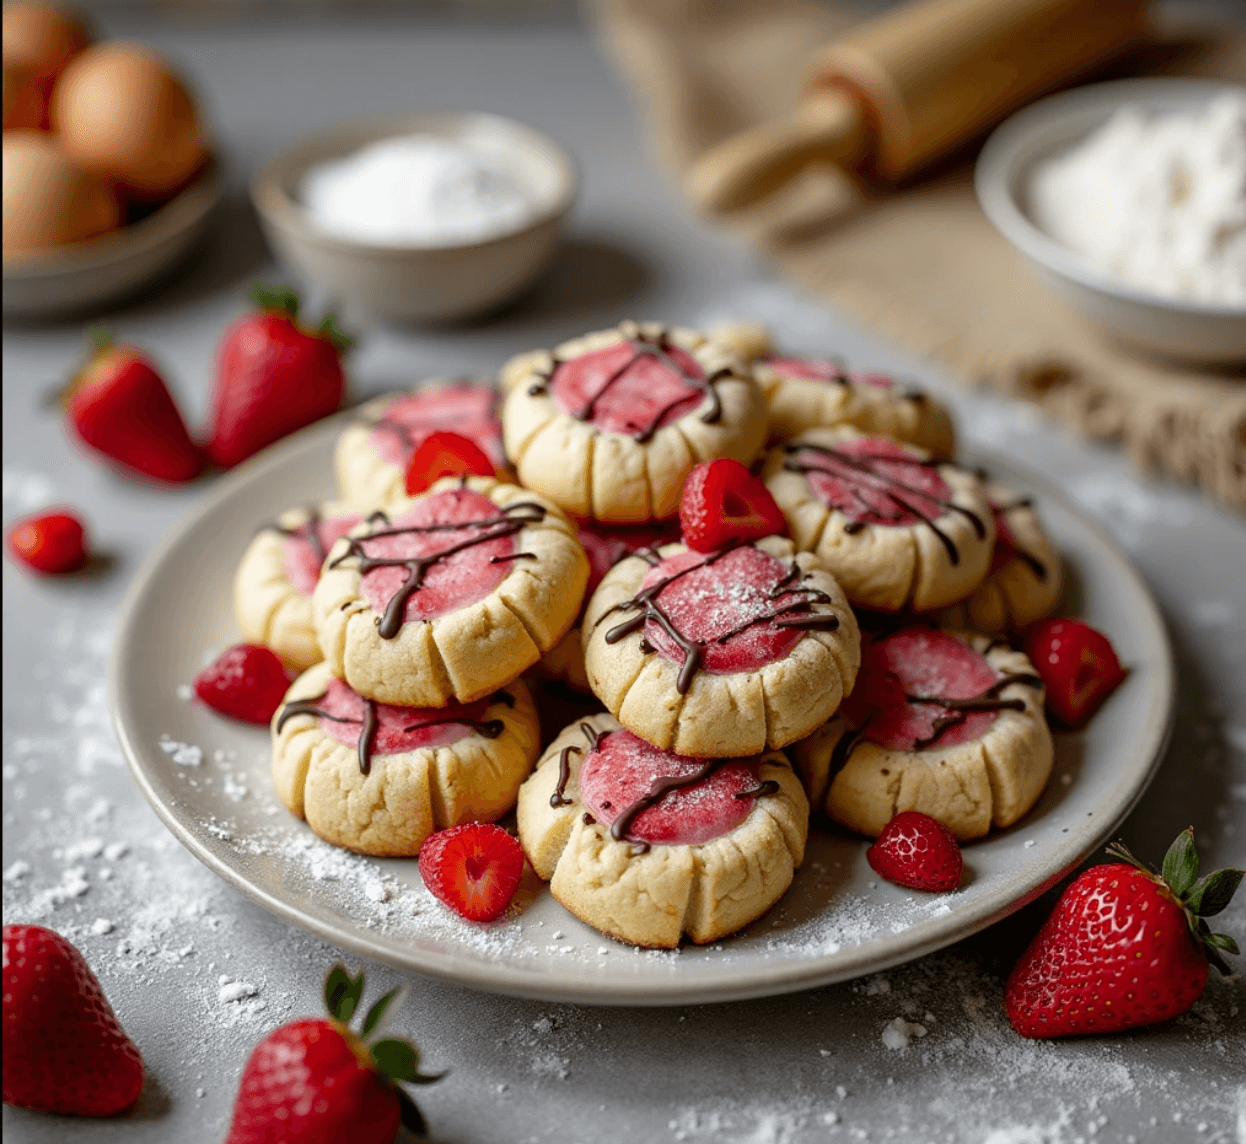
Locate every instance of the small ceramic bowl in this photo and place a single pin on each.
(1188, 331)
(83, 276)
(421, 283)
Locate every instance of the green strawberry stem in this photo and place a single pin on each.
(286, 300)
(1199, 898)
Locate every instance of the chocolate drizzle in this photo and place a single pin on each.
(406, 441)
(370, 723)
(657, 348)
(309, 531)
(797, 613)
(861, 472)
(958, 710)
(594, 738)
(1032, 562)
(509, 521)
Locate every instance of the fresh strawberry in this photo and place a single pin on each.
(247, 682)
(1078, 666)
(317, 1082)
(474, 869)
(50, 542)
(273, 377)
(1124, 947)
(724, 502)
(118, 405)
(445, 454)
(64, 1049)
(917, 852)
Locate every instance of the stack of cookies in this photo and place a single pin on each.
(855, 663)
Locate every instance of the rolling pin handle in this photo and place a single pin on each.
(748, 167)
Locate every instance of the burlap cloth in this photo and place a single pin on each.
(920, 263)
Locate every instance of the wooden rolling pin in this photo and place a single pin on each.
(900, 90)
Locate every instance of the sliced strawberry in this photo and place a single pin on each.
(445, 454)
(247, 682)
(64, 1050)
(474, 869)
(724, 502)
(917, 852)
(120, 406)
(52, 542)
(1078, 666)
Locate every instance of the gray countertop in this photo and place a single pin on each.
(83, 853)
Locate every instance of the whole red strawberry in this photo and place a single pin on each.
(723, 502)
(474, 869)
(51, 542)
(317, 1082)
(64, 1050)
(247, 682)
(445, 454)
(1124, 947)
(1078, 667)
(917, 852)
(120, 406)
(273, 376)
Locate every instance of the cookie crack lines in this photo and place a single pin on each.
(510, 520)
(860, 472)
(793, 608)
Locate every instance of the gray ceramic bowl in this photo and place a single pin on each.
(431, 283)
(1189, 331)
(85, 275)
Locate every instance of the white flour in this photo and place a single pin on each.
(1157, 202)
(419, 190)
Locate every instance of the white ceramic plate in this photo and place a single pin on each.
(837, 922)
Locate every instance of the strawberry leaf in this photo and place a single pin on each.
(100, 338)
(412, 1117)
(1181, 864)
(342, 993)
(377, 1012)
(1221, 941)
(398, 1060)
(332, 332)
(274, 299)
(1211, 894)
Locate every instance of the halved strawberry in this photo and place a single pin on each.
(917, 852)
(247, 682)
(724, 502)
(1078, 666)
(474, 869)
(51, 542)
(445, 454)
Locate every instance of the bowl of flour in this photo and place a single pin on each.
(419, 218)
(1129, 199)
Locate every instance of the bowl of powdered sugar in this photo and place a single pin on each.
(1129, 199)
(425, 218)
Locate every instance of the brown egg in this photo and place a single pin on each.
(25, 101)
(48, 199)
(41, 38)
(123, 114)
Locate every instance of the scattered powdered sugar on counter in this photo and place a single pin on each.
(899, 1033)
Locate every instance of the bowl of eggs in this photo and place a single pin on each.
(109, 180)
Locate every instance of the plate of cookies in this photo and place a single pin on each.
(642, 674)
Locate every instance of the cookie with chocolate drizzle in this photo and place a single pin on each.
(900, 530)
(449, 594)
(278, 572)
(944, 722)
(609, 425)
(721, 654)
(645, 845)
(372, 454)
(378, 778)
(1026, 574)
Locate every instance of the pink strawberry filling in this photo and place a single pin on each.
(874, 480)
(624, 388)
(398, 729)
(822, 369)
(724, 607)
(461, 407)
(302, 559)
(606, 546)
(917, 663)
(623, 770)
(457, 579)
